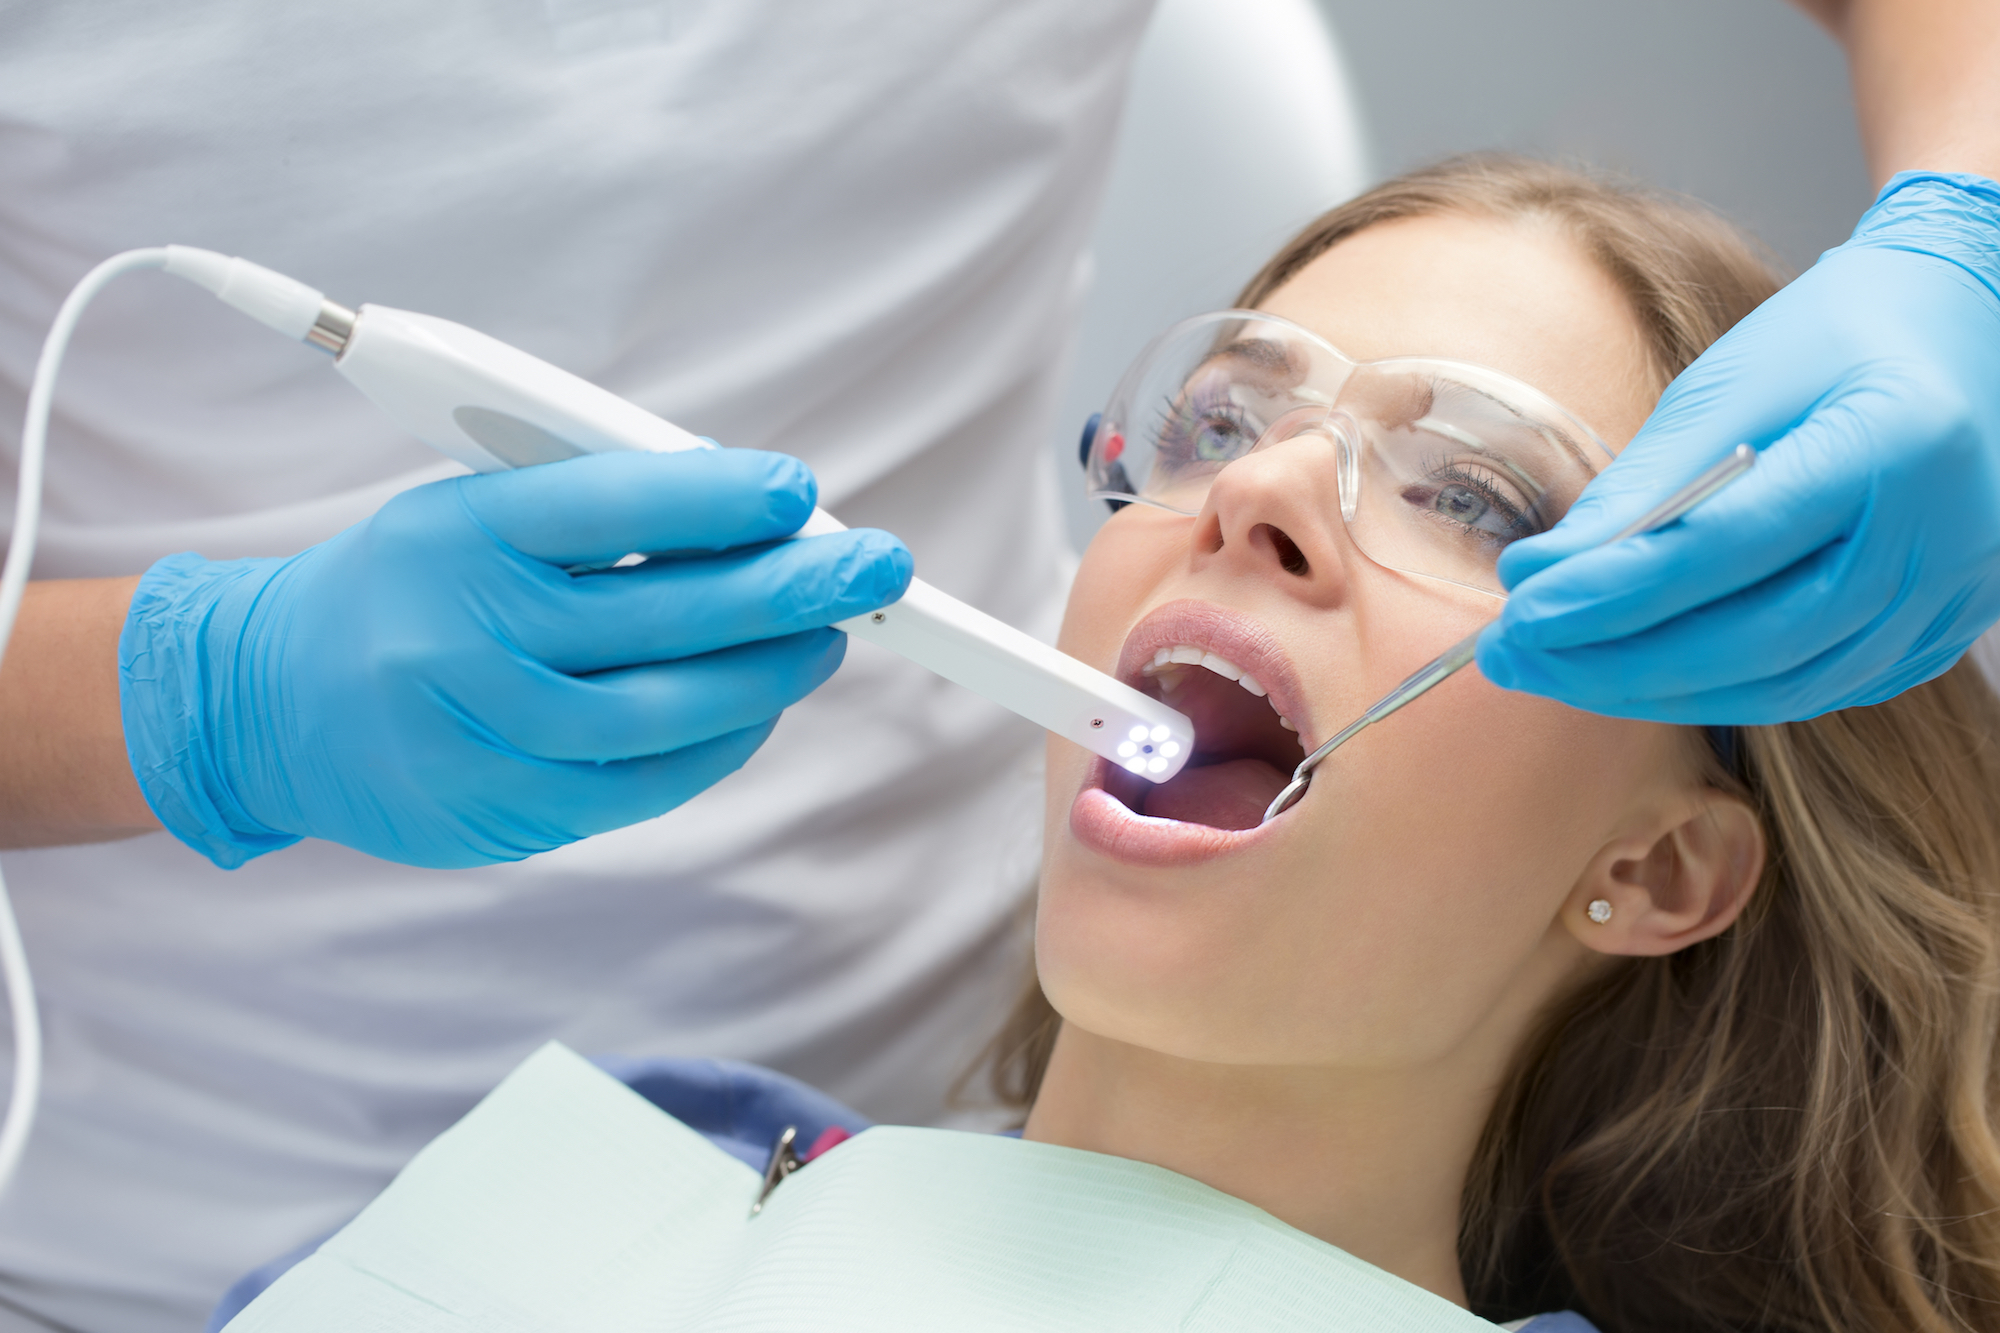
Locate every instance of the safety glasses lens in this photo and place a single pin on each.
(1438, 466)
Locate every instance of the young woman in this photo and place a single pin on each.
(1678, 1028)
(1534, 1008)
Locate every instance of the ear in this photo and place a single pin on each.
(1676, 883)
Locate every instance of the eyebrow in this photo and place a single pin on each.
(1262, 354)
(1559, 435)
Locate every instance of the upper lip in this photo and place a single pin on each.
(1227, 634)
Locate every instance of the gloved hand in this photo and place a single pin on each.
(431, 687)
(1861, 555)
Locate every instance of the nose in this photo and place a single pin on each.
(1275, 513)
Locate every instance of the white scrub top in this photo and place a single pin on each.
(849, 231)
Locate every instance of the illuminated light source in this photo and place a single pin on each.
(1137, 765)
(1139, 733)
(1170, 749)
(1126, 749)
(1156, 765)
(1160, 732)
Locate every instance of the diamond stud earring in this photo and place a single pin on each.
(1599, 910)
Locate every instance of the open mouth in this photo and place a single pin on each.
(1245, 745)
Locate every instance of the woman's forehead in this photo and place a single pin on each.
(1517, 296)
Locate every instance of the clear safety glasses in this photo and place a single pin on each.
(1439, 464)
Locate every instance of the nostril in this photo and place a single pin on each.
(1290, 558)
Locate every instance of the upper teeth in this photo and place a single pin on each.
(1188, 655)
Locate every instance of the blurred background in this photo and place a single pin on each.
(1741, 103)
(1232, 141)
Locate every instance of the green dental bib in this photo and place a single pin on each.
(564, 1200)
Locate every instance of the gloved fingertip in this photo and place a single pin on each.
(887, 566)
(902, 568)
(1510, 570)
(792, 489)
(1515, 630)
(1525, 559)
(1494, 660)
(831, 654)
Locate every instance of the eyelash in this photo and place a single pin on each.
(1181, 419)
(1440, 471)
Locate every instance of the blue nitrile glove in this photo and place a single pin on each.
(431, 687)
(1861, 555)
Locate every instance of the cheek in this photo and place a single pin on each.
(1395, 922)
(1458, 841)
(1126, 561)
(1485, 779)
(1470, 785)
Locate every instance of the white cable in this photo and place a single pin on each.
(27, 1087)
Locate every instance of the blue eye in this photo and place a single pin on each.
(1461, 504)
(1206, 428)
(1218, 441)
(1473, 503)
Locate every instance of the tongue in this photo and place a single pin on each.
(1231, 795)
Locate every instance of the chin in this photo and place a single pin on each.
(1176, 961)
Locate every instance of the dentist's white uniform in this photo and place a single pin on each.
(847, 231)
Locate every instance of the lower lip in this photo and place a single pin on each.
(1101, 822)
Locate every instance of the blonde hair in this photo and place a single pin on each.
(1789, 1126)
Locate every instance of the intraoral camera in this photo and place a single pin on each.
(493, 407)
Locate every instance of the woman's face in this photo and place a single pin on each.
(1422, 887)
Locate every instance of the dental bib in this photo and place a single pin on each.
(564, 1200)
